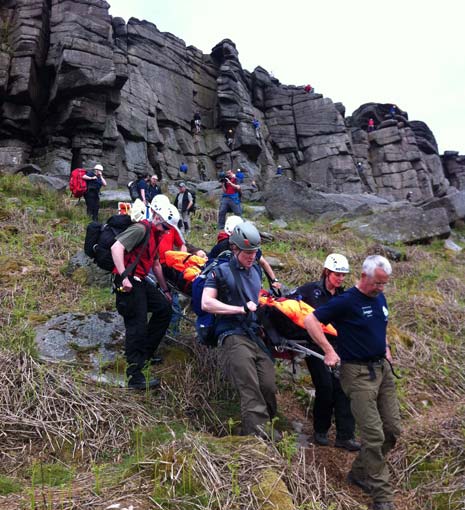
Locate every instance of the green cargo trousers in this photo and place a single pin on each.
(252, 373)
(375, 408)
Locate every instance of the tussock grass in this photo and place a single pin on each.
(45, 410)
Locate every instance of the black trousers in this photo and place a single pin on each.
(92, 199)
(142, 337)
(329, 398)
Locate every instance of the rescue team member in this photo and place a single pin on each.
(223, 244)
(329, 396)
(231, 292)
(360, 316)
(139, 296)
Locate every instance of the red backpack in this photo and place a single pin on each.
(77, 184)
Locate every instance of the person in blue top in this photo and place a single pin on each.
(153, 189)
(256, 126)
(240, 176)
(143, 190)
(95, 181)
(183, 168)
(360, 316)
(279, 170)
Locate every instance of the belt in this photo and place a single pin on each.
(370, 364)
(367, 362)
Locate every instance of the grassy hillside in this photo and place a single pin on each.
(68, 443)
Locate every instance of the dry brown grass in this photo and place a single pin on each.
(48, 411)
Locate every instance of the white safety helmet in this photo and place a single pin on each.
(337, 263)
(98, 166)
(231, 223)
(169, 213)
(159, 200)
(137, 210)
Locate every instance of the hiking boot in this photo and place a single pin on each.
(348, 444)
(383, 505)
(321, 438)
(142, 384)
(360, 483)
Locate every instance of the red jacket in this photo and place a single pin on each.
(149, 252)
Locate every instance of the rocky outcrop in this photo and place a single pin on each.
(78, 86)
(367, 214)
(287, 199)
(407, 224)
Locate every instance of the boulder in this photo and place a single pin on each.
(72, 336)
(453, 204)
(84, 271)
(406, 224)
(291, 200)
(50, 182)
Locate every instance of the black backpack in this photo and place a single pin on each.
(133, 190)
(205, 321)
(100, 238)
(194, 198)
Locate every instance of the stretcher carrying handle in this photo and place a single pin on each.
(292, 345)
(273, 290)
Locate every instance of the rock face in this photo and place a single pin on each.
(79, 87)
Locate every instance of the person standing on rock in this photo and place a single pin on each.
(230, 200)
(308, 88)
(371, 125)
(231, 293)
(329, 397)
(230, 138)
(183, 169)
(360, 316)
(202, 170)
(95, 180)
(197, 122)
(136, 293)
(184, 202)
(240, 176)
(279, 170)
(256, 126)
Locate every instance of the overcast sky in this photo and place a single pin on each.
(407, 52)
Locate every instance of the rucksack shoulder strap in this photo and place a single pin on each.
(130, 269)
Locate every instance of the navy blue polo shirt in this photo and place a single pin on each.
(361, 323)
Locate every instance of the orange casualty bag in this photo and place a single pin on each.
(292, 309)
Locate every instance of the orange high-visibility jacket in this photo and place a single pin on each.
(189, 265)
(294, 309)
